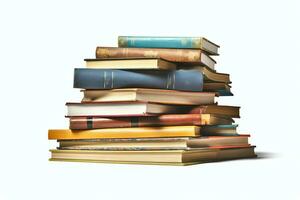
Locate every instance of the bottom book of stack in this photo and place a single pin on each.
(180, 145)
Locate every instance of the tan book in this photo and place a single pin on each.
(149, 95)
(130, 63)
(154, 143)
(134, 108)
(158, 157)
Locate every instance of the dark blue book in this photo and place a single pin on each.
(184, 80)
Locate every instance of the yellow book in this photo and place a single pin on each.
(137, 132)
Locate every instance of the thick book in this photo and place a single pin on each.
(130, 63)
(169, 42)
(188, 56)
(149, 95)
(159, 157)
(185, 80)
(155, 143)
(120, 109)
(78, 123)
(136, 132)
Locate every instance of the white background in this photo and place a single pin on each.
(41, 42)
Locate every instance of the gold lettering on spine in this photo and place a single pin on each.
(184, 41)
(104, 82)
(112, 79)
(168, 81)
(151, 54)
(104, 53)
(174, 80)
(193, 56)
(122, 41)
(197, 43)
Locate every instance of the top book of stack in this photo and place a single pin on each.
(169, 42)
(183, 51)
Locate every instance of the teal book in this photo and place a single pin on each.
(169, 42)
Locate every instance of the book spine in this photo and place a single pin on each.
(173, 55)
(185, 80)
(135, 132)
(198, 110)
(78, 123)
(160, 42)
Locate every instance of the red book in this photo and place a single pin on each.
(144, 121)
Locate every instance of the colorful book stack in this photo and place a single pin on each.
(151, 100)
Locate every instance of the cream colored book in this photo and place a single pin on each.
(129, 63)
(149, 95)
(158, 157)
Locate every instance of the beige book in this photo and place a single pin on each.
(130, 63)
(149, 95)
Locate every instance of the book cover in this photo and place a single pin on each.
(168, 42)
(184, 80)
(139, 132)
(191, 56)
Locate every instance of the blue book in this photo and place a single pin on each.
(184, 80)
(169, 42)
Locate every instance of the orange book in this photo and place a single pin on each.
(137, 132)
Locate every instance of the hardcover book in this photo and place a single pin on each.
(169, 42)
(136, 132)
(185, 80)
(144, 121)
(155, 143)
(149, 95)
(130, 63)
(163, 157)
(188, 56)
(120, 109)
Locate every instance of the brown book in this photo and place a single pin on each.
(230, 111)
(77, 123)
(174, 55)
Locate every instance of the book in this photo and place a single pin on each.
(219, 130)
(119, 109)
(169, 42)
(149, 95)
(130, 63)
(163, 157)
(221, 89)
(230, 111)
(136, 132)
(209, 75)
(78, 123)
(185, 80)
(177, 143)
(188, 56)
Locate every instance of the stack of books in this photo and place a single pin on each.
(152, 100)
